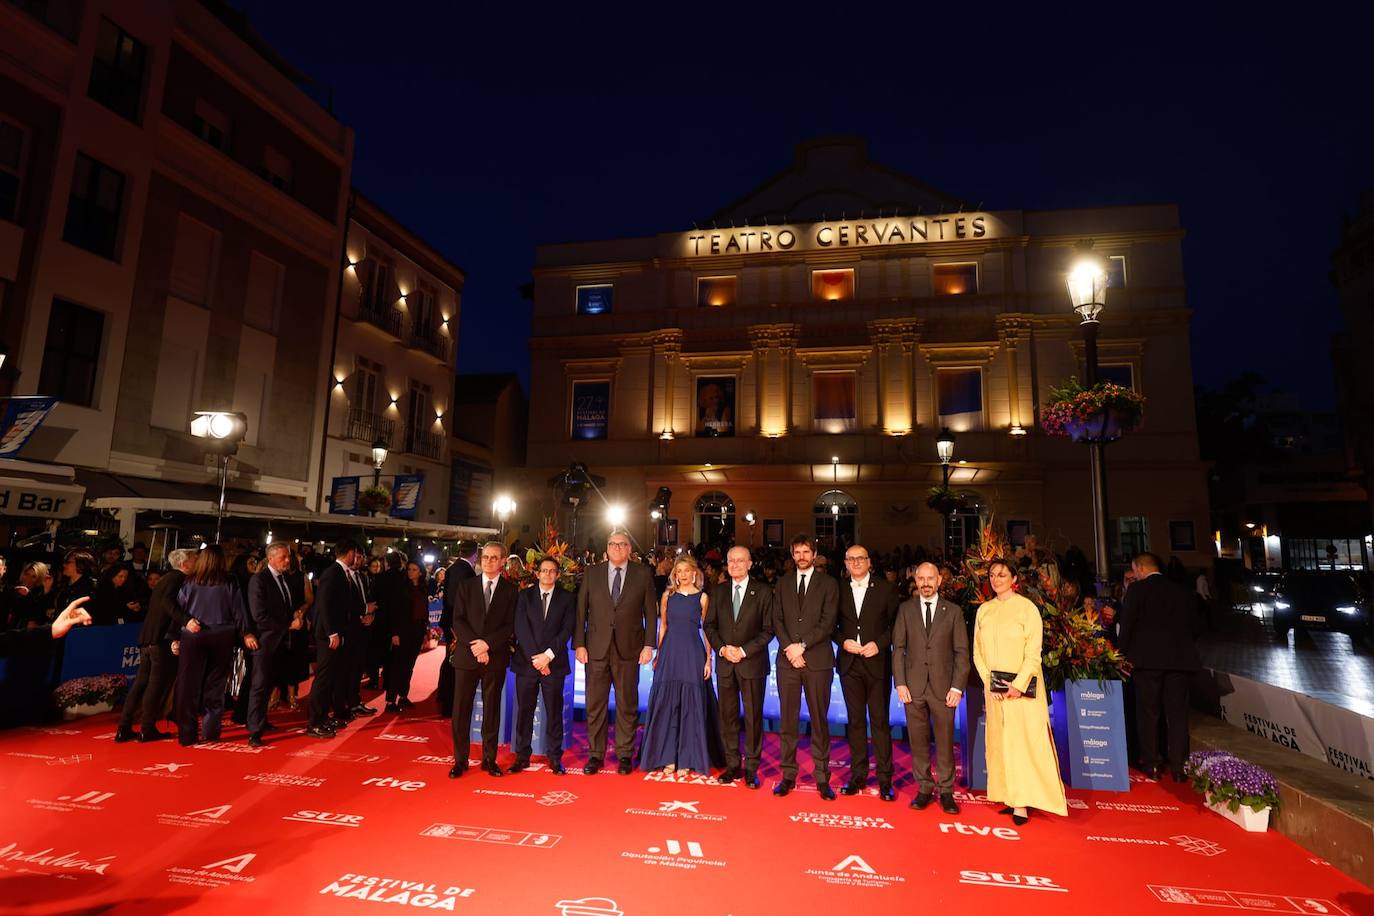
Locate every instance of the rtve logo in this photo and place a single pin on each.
(1001, 833)
(390, 782)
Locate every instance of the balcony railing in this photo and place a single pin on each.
(368, 426)
(425, 444)
(385, 317)
(431, 341)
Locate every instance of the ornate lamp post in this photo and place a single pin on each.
(379, 452)
(1087, 283)
(944, 448)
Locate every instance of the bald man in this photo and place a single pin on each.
(739, 628)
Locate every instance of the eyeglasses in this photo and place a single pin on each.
(855, 559)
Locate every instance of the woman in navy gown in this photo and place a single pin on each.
(680, 732)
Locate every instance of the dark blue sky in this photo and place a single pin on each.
(489, 133)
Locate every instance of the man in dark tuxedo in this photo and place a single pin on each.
(805, 606)
(156, 665)
(930, 663)
(544, 618)
(863, 644)
(270, 609)
(1157, 620)
(358, 636)
(739, 627)
(338, 599)
(458, 572)
(484, 623)
(614, 634)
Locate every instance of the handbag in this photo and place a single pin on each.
(1001, 681)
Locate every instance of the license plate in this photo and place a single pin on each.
(1313, 619)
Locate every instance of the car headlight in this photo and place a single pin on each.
(1282, 605)
(1347, 609)
(1258, 588)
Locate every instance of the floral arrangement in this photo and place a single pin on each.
(89, 691)
(569, 569)
(1073, 647)
(1222, 778)
(1074, 405)
(944, 500)
(375, 499)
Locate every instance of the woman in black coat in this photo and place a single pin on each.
(408, 623)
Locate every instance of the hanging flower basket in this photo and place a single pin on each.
(945, 500)
(375, 499)
(1103, 413)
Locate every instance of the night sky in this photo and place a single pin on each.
(490, 133)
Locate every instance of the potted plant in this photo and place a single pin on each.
(375, 499)
(1101, 413)
(945, 500)
(1236, 789)
(86, 696)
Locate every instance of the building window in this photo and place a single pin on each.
(954, 279)
(1017, 532)
(1116, 271)
(1133, 533)
(211, 125)
(13, 139)
(591, 410)
(1121, 374)
(832, 285)
(117, 71)
(595, 300)
(1182, 536)
(833, 401)
(94, 206)
(715, 406)
(276, 170)
(367, 377)
(71, 353)
(959, 398)
(716, 291)
(715, 518)
(837, 519)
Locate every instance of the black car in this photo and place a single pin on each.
(1321, 601)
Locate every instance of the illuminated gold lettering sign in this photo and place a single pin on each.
(868, 233)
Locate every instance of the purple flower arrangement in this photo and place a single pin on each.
(86, 691)
(1222, 778)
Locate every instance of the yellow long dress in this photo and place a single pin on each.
(1023, 769)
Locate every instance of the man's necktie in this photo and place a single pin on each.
(615, 587)
(927, 615)
(491, 583)
(546, 605)
(737, 601)
(285, 592)
(801, 589)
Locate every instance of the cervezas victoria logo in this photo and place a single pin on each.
(855, 871)
(50, 860)
(842, 821)
(421, 894)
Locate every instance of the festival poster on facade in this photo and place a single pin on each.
(343, 499)
(405, 495)
(715, 406)
(19, 417)
(591, 410)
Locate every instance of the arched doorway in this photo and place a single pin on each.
(965, 526)
(715, 518)
(837, 519)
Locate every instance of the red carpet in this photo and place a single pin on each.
(370, 819)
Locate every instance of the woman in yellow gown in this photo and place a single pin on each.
(1023, 769)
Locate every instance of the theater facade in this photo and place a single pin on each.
(788, 364)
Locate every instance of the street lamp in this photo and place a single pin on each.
(504, 507)
(944, 448)
(1087, 283)
(223, 431)
(379, 451)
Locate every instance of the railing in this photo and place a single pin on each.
(385, 317)
(431, 341)
(427, 445)
(368, 426)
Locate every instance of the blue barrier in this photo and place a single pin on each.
(1090, 735)
(101, 650)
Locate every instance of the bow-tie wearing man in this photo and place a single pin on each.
(804, 609)
(544, 617)
(483, 624)
(863, 640)
(739, 627)
(930, 663)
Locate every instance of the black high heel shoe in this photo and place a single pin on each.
(1018, 820)
(1005, 811)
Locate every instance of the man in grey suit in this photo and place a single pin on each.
(739, 628)
(930, 665)
(614, 634)
(804, 609)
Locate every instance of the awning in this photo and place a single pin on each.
(30, 489)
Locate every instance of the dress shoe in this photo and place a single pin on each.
(335, 725)
(456, 771)
(825, 792)
(921, 800)
(625, 768)
(948, 804)
(885, 792)
(1005, 811)
(1178, 776)
(392, 707)
(556, 768)
(518, 766)
(491, 768)
(593, 766)
(124, 734)
(268, 727)
(751, 779)
(255, 741)
(851, 788)
(151, 734)
(1152, 772)
(404, 703)
(361, 710)
(783, 787)
(320, 731)
(1018, 819)
(726, 777)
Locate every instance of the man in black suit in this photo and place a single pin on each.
(544, 618)
(338, 599)
(484, 622)
(930, 663)
(739, 627)
(156, 665)
(270, 609)
(614, 634)
(1157, 617)
(805, 606)
(358, 636)
(863, 643)
(458, 572)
